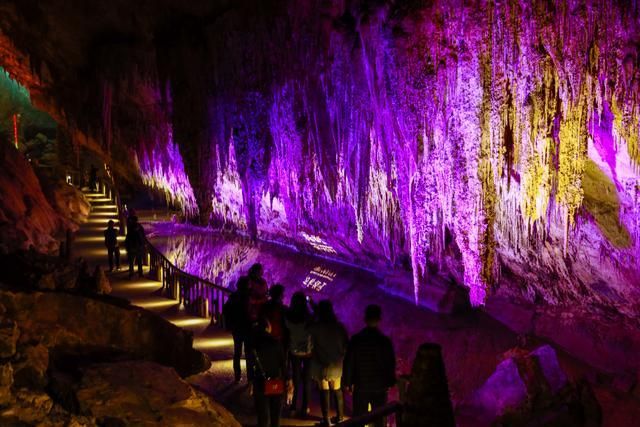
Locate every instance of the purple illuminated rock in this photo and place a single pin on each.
(503, 391)
(550, 367)
(529, 386)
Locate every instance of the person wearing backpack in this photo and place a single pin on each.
(297, 321)
(236, 319)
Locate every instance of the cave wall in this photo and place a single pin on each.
(492, 142)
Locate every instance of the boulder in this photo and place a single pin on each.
(9, 335)
(30, 407)
(553, 374)
(145, 393)
(31, 368)
(6, 381)
(504, 389)
(529, 386)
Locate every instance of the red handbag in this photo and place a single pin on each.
(273, 386)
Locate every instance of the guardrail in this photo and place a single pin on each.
(198, 296)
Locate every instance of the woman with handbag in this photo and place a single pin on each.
(268, 374)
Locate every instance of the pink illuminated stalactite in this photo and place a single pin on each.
(444, 143)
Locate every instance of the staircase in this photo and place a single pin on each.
(146, 293)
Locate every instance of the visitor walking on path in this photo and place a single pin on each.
(111, 242)
(236, 318)
(369, 365)
(329, 339)
(298, 321)
(257, 291)
(134, 243)
(268, 375)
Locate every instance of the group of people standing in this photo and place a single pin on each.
(288, 348)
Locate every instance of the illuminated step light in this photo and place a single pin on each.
(101, 220)
(154, 303)
(146, 286)
(209, 343)
(190, 322)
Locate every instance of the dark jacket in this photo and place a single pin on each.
(274, 312)
(370, 362)
(135, 238)
(111, 238)
(236, 313)
(271, 357)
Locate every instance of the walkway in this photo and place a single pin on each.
(145, 293)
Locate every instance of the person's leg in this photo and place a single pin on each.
(262, 407)
(117, 254)
(275, 406)
(377, 400)
(139, 255)
(338, 398)
(237, 354)
(130, 257)
(110, 254)
(306, 384)
(324, 401)
(296, 374)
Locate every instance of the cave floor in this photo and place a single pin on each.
(472, 343)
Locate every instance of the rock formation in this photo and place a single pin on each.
(107, 364)
(495, 143)
(531, 387)
(492, 144)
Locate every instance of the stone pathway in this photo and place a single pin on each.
(145, 293)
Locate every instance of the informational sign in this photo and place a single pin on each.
(318, 278)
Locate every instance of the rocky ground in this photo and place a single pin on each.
(72, 357)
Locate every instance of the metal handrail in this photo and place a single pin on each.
(198, 296)
(390, 408)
